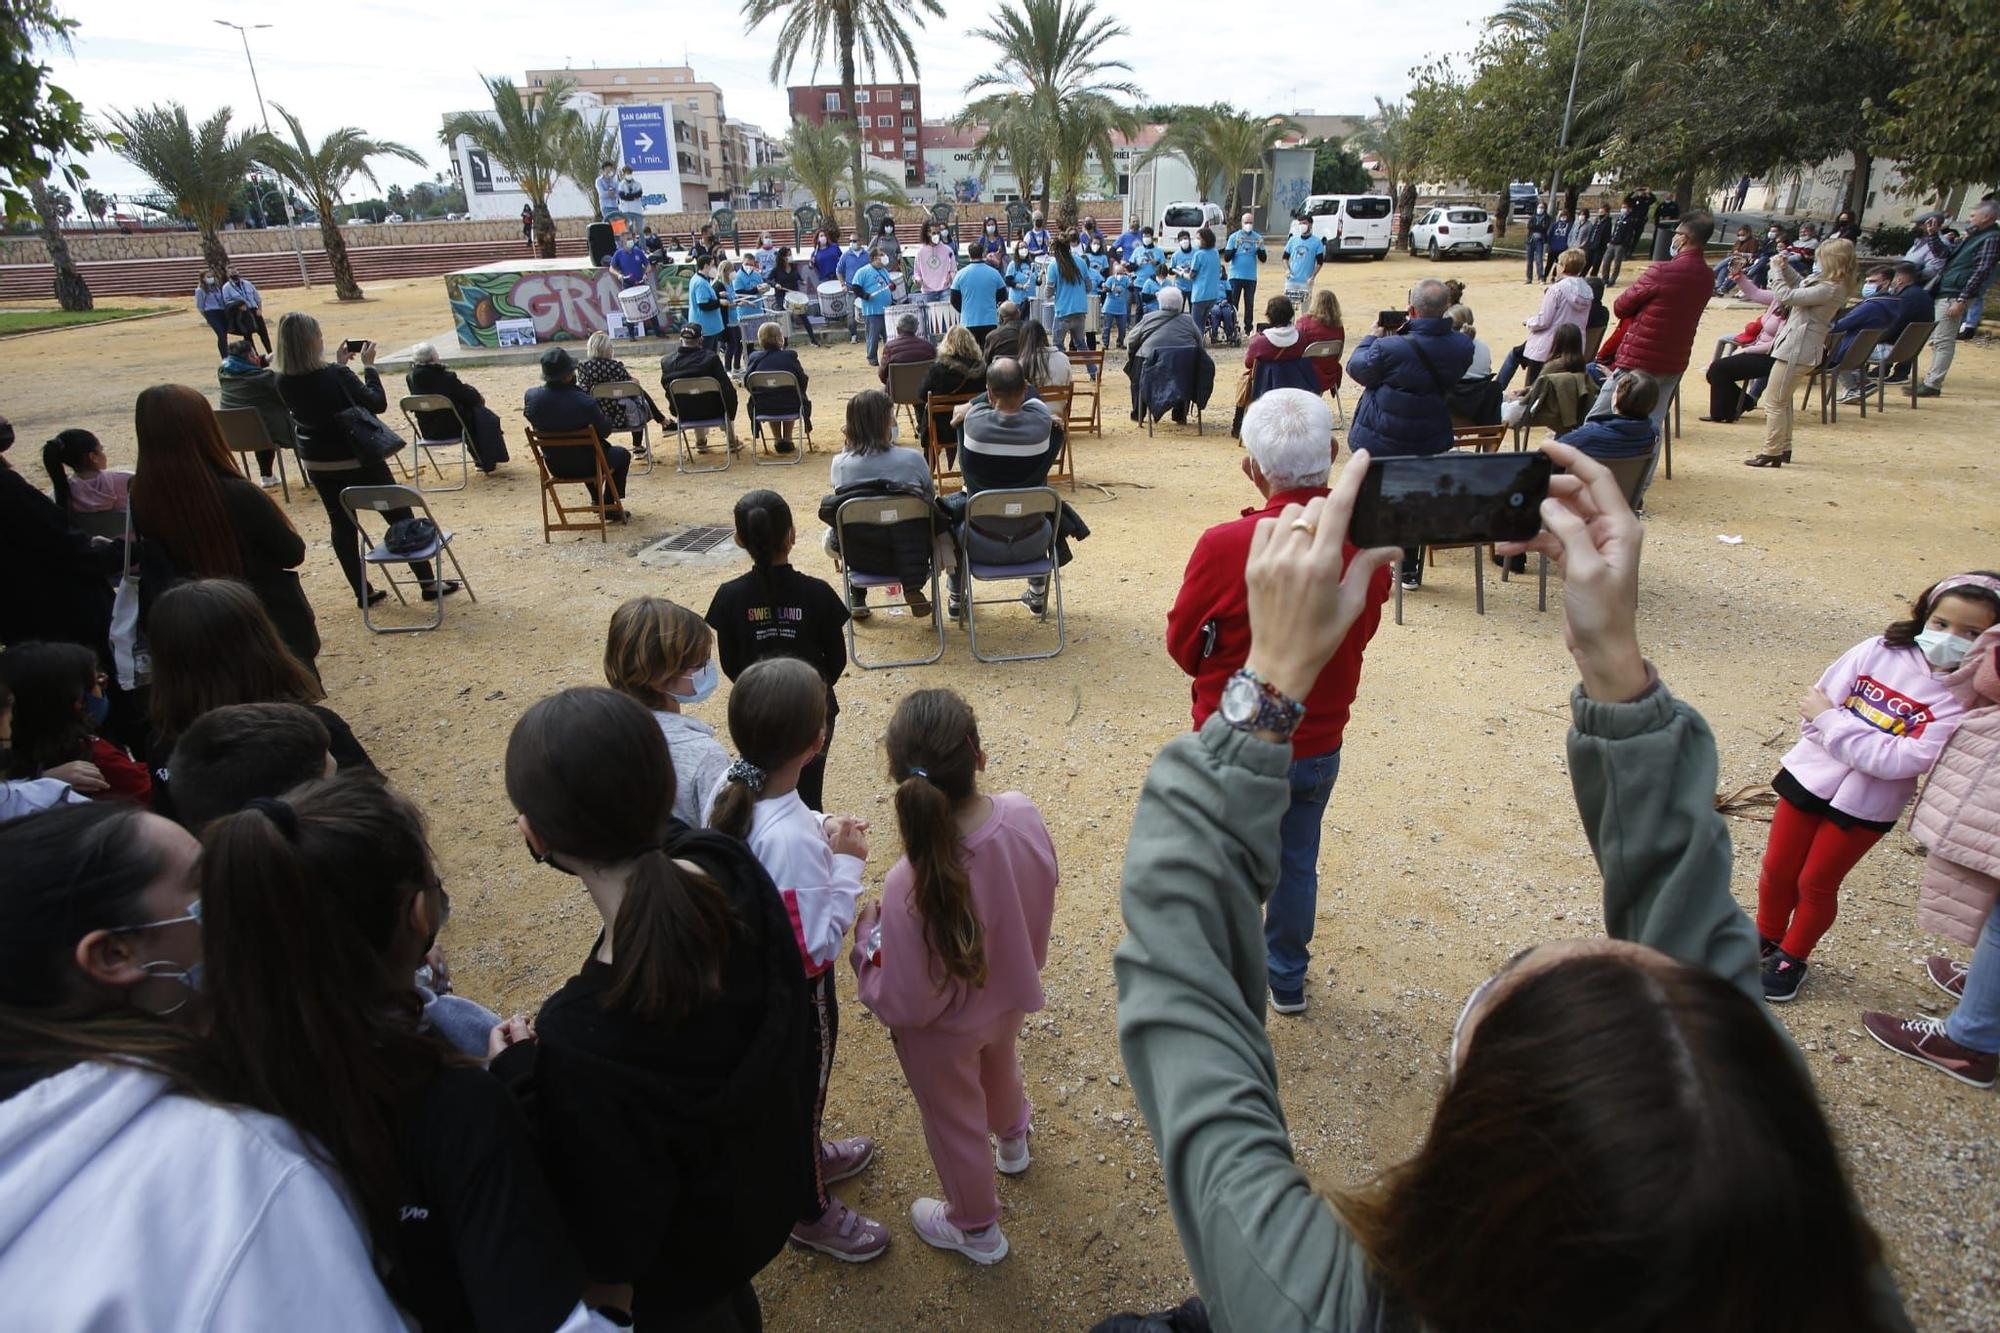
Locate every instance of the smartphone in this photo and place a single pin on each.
(1451, 499)
(1392, 320)
(353, 346)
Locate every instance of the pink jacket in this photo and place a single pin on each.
(1565, 302)
(1012, 865)
(1890, 719)
(1957, 819)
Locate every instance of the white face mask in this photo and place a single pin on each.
(1943, 650)
(1187, 245)
(1300, 229)
(701, 684)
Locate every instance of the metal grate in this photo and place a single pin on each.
(696, 541)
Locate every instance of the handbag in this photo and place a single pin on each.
(409, 535)
(130, 657)
(368, 435)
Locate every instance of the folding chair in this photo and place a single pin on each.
(1829, 377)
(886, 511)
(761, 452)
(1332, 347)
(937, 415)
(601, 481)
(1670, 426)
(1480, 440)
(632, 399)
(906, 387)
(1090, 387)
(243, 431)
(1061, 398)
(1007, 515)
(1630, 472)
(677, 392)
(424, 447)
(1151, 362)
(1529, 404)
(354, 499)
(1903, 353)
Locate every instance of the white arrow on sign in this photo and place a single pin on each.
(643, 142)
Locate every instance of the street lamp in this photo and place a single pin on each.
(1576, 66)
(284, 196)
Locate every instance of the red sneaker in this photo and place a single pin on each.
(1924, 1039)
(1946, 975)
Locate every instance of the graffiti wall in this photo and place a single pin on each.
(565, 305)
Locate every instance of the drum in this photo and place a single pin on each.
(796, 304)
(1093, 315)
(1043, 313)
(942, 318)
(833, 299)
(639, 303)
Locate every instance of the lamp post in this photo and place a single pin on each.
(1576, 66)
(284, 196)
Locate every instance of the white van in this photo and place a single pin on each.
(1190, 218)
(1352, 224)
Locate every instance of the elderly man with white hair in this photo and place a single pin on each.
(1288, 449)
(1168, 327)
(429, 374)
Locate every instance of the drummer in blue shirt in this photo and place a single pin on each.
(1304, 253)
(1147, 258)
(977, 292)
(1245, 252)
(871, 287)
(1204, 268)
(1022, 278)
(1073, 281)
(705, 304)
(1127, 242)
(746, 291)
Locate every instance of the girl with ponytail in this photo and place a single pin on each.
(777, 722)
(95, 488)
(317, 909)
(952, 961)
(673, 1075)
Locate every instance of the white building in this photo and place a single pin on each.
(1819, 193)
(646, 141)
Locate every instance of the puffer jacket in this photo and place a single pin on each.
(1957, 818)
(1565, 302)
(1810, 306)
(1661, 311)
(1403, 410)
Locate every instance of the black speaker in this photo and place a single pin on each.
(602, 244)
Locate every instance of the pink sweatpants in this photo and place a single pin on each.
(966, 1085)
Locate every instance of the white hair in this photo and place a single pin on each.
(424, 354)
(1288, 434)
(1171, 299)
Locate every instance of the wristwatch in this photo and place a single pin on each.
(1250, 703)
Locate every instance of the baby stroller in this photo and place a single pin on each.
(1222, 319)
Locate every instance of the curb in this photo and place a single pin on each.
(92, 324)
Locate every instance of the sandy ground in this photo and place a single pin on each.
(1451, 841)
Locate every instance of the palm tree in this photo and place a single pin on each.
(852, 28)
(95, 205)
(1388, 140)
(199, 167)
(1221, 144)
(589, 145)
(525, 135)
(1051, 102)
(817, 161)
(319, 173)
(51, 206)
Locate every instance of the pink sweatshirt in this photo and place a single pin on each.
(1012, 865)
(1890, 719)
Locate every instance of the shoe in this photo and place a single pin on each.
(1287, 1001)
(1852, 396)
(1765, 948)
(1768, 460)
(843, 1159)
(376, 596)
(1946, 975)
(1925, 391)
(1964, 334)
(982, 1247)
(1925, 1039)
(1412, 582)
(920, 605)
(783, 447)
(857, 606)
(1011, 1156)
(442, 588)
(954, 607)
(268, 482)
(1720, 421)
(844, 1234)
(1783, 975)
(1036, 602)
(620, 514)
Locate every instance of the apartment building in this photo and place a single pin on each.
(888, 116)
(712, 168)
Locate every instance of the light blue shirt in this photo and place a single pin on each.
(607, 194)
(875, 293)
(1207, 275)
(979, 287)
(1115, 288)
(744, 287)
(1021, 283)
(1149, 294)
(1243, 254)
(1302, 256)
(701, 292)
(1148, 258)
(1073, 298)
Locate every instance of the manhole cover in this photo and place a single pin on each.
(696, 541)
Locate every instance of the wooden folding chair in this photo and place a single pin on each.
(243, 431)
(632, 398)
(1090, 387)
(425, 447)
(1061, 398)
(906, 388)
(598, 507)
(937, 413)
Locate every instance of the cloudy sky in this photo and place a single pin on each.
(395, 69)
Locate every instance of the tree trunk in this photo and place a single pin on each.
(1684, 191)
(72, 293)
(345, 288)
(845, 31)
(1406, 213)
(212, 253)
(545, 230)
(1857, 186)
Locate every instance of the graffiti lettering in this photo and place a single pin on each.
(565, 304)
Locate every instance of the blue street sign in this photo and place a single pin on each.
(642, 133)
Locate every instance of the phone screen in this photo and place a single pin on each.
(1451, 499)
(353, 346)
(1392, 320)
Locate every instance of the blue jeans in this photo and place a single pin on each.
(1537, 246)
(1974, 313)
(878, 333)
(1976, 1021)
(1114, 323)
(1667, 383)
(1288, 916)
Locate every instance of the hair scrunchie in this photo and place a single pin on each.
(748, 774)
(923, 773)
(279, 812)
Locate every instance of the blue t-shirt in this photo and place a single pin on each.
(1021, 282)
(701, 292)
(1149, 294)
(979, 287)
(1302, 255)
(1073, 298)
(1149, 259)
(1243, 245)
(1178, 261)
(1207, 285)
(851, 263)
(1115, 288)
(1127, 242)
(1037, 241)
(874, 285)
(630, 264)
(743, 286)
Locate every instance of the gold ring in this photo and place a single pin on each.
(1300, 525)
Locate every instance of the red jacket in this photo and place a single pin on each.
(1213, 590)
(1661, 310)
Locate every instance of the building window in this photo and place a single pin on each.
(885, 122)
(909, 151)
(860, 95)
(652, 78)
(618, 79)
(888, 148)
(909, 124)
(833, 102)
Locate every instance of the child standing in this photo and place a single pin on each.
(775, 611)
(1149, 293)
(1117, 290)
(777, 720)
(1874, 723)
(952, 960)
(663, 655)
(94, 488)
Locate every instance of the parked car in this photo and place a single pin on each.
(393, 217)
(1523, 198)
(1453, 229)
(1351, 224)
(1189, 218)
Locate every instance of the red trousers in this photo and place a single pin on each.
(1798, 890)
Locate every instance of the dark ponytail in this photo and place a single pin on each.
(591, 771)
(68, 452)
(304, 900)
(777, 710)
(763, 521)
(1065, 257)
(933, 745)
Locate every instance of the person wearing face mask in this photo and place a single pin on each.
(114, 1114)
(1037, 239)
(873, 293)
(937, 265)
(705, 300)
(1607, 1101)
(1874, 722)
(1022, 277)
(990, 241)
(766, 254)
(663, 655)
(60, 708)
(1127, 241)
(826, 257)
(1878, 309)
(1905, 285)
(1243, 253)
(1304, 253)
(1147, 258)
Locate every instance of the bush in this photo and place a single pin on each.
(1889, 242)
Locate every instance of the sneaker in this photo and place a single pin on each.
(1925, 1039)
(1765, 948)
(1036, 602)
(1852, 396)
(268, 482)
(1946, 975)
(954, 607)
(1925, 391)
(1011, 1155)
(843, 1159)
(982, 1247)
(844, 1234)
(1783, 975)
(1412, 582)
(1287, 1001)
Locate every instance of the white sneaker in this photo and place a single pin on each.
(1011, 1155)
(982, 1247)
(268, 482)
